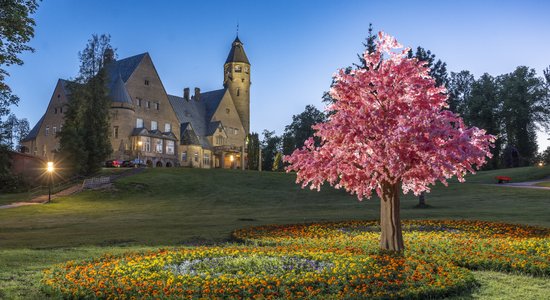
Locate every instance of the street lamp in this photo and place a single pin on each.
(139, 151)
(50, 170)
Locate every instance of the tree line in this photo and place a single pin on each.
(511, 106)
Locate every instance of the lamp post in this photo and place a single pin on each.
(50, 169)
(140, 143)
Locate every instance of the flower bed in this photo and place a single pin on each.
(471, 244)
(255, 272)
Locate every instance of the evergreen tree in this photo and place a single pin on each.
(438, 69)
(271, 144)
(526, 107)
(484, 110)
(460, 88)
(253, 150)
(85, 137)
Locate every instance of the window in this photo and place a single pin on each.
(206, 159)
(61, 110)
(146, 82)
(47, 130)
(138, 102)
(169, 147)
(159, 146)
(154, 125)
(238, 69)
(139, 123)
(236, 131)
(55, 110)
(148, 104)
(157, 106)
(246, 70)
(167, 127)
(54, 130)
(184, 156)
(238, 91)
(115, 132)
(147, 144)
(220, 140)
(196, 156)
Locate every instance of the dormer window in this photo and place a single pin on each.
(238, 69)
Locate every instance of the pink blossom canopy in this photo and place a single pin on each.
(389, 125)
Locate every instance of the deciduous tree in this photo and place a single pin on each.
(389, 131)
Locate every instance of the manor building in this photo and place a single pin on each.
(203, 130)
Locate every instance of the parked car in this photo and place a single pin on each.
(128, 164)
(112, 164)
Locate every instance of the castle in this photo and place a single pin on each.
(203, 130)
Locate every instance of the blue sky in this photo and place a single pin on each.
(294, 46)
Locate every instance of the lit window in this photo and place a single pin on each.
(154, 125)
(139, 123)
(167, 127)
(159, 146)
(169, 147)
(196, 156)
(47, 130)
(238, 69)
(115, 132)
(184, 156)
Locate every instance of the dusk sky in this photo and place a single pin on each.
(294, 46)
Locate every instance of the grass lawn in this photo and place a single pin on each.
(10, 198)
(175, 207)
(543, 184)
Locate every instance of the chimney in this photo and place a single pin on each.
(186, 94)
(197, 94)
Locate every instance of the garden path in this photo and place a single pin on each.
(527, 184)
(42, 199)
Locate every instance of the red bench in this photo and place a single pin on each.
(503, 179)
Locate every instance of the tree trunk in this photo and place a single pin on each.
(390, 221)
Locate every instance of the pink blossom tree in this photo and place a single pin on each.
(389, 130)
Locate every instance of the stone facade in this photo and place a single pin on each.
(205, 130)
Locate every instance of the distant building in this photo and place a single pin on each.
(203, 130)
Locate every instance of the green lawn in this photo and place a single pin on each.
(174, 207)
(543, 184)
(11, 198)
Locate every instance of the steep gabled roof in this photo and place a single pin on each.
(236, 54)
(188, 135)
(211, 102)
(34, 132)
(124, 67)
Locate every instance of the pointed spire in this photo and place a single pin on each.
(237, 54)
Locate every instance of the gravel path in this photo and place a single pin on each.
(526, 184)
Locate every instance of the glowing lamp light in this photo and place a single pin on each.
(50, 167)
(232, 158)
(541, 164)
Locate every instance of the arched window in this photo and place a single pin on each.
(238, 69)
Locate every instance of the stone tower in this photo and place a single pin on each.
(237, 79)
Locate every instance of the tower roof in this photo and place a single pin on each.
(237, 52)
